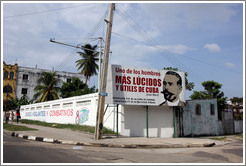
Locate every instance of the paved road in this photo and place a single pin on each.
(25, 151)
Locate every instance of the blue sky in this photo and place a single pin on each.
(203, 39)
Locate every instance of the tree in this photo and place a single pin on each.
(212, 91)
(237, 100)
(88, 62)
(47, 88)
(13, 104)
(75, 88)
(188, 85)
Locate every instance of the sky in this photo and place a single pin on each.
(206, 40)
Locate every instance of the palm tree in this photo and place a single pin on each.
(88, 62)
(47, 88)
(13, 104)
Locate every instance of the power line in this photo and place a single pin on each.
(45, 11)
(155, 44)
(73, 54)
(194, 59)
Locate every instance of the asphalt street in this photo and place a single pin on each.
(16, 150)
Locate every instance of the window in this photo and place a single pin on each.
(24, 91)
(11, 75)
(6, 74)
(7, 89)
(69, 80)
(212, 109)
(198, 109)
(25, 76)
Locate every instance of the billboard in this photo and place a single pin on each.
(143, 86)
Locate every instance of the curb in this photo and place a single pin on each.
(140, 146)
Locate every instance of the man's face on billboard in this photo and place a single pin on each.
(171, 89)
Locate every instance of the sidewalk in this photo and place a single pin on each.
(67, 136)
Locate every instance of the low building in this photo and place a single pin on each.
(197, 118)
(200, 118)
(128, 120)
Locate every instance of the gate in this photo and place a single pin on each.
(228, 121)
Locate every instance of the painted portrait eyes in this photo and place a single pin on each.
(169, 83)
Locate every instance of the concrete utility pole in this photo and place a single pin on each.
(100, 61)
(103, 82)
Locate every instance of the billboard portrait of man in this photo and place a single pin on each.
(172, 88)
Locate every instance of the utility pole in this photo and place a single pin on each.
(100, 61)
(103, 82)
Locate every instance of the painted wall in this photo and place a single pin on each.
(131, 119)
(204, 124)
(74, 110)
(134, 124)
(238, 124)
(82, 110)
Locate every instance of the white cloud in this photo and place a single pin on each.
(229, 64)
(178, 49)
(212, 47)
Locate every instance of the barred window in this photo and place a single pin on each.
(25, 76)
(212, 109)
(198, 109)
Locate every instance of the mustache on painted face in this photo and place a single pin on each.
(168, 95)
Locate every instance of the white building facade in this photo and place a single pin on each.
(27, 80)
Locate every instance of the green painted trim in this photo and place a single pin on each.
(117, 119)
(174, 130)
(147, 120)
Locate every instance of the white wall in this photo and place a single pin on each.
(133, 121)
(204, 124)
(238, 124)
(61, 111)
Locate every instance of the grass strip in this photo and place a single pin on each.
(12, 127)
(84, 128)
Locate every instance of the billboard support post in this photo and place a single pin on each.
(174, 126)
(147, 121)
(117, 119)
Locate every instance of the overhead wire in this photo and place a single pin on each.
(153, 43)
(194, 59)
(45, 11)
(70, 57)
